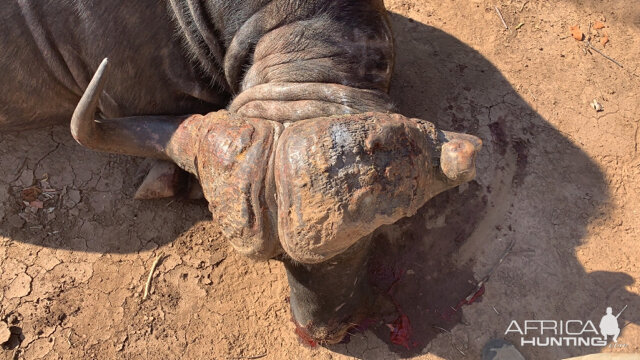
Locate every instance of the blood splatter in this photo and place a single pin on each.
(304, 337)
(385, 277)
(477, 292)
(401, 330)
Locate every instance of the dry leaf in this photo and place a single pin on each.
(36, 204)
(30, 194)
(576, 33)
(598, 25)
(604, 40)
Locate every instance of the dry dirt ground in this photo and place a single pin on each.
(558, 179)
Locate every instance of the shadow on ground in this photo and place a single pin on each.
(534, 188)
(85, 198)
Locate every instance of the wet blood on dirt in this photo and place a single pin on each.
(473, 297)
(384, 277)
(304, 337)
(401, 331)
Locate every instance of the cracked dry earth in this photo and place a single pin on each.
(555, 178)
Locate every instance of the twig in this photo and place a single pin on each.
(69, 338)
(601, 53)
(148, 284)
(501, 18)
(439, 328)
(495, 266)
(256, 356)
(252, 357)
(523, 5)
(461, 352)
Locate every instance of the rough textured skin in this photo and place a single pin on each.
(232, 158)
(305, 101)
(335, 179)
(236, 173)
(50, 49)
(341, 178)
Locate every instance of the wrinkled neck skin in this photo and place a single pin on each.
(284, 60)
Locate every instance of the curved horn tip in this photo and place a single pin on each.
(82, 121)
(102, 67)
(450, 136)
(457, 159)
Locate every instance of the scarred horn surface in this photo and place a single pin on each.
(340, 178)
(235, 168)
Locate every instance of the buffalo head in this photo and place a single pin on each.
(309, 192)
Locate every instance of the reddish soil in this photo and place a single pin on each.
(557, 178)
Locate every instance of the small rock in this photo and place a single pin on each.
(596, 105)
(13, 319)
(5, 333)
(576, 33)
(122, 341)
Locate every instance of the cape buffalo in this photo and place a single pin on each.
(298, 151)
